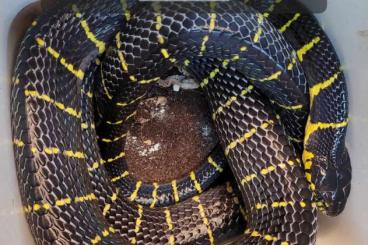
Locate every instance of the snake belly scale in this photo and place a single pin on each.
(249, 62)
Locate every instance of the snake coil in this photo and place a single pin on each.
(274, 86)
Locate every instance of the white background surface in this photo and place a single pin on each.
(346, 22)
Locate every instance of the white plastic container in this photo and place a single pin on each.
(346, 22)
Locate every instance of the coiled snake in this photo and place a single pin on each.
(267, 76)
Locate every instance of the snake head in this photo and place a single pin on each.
(333, 182)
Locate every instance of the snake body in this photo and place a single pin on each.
(240, 58)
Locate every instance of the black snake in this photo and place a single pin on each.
(241, 54)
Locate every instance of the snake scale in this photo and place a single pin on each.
(275, 89)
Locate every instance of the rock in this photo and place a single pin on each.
(170, 137)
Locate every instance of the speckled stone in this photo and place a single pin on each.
(171, 136)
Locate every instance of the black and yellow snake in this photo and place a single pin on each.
(275, 88)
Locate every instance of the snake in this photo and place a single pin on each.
(275, 88)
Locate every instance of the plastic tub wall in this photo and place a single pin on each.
(346, 22)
